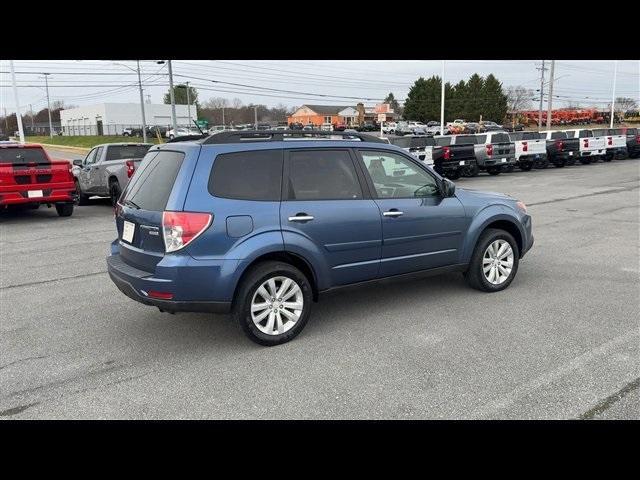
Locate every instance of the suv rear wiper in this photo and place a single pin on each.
(131, 203)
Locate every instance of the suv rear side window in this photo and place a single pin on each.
(322, 175)
(152, 184)
(19, 155)
(252, 175)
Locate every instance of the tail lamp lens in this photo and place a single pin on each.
(181, 228)
(131, 168)
(586, 142)
(525, 146)
(447, 153)
(489, 149)
(609, 140)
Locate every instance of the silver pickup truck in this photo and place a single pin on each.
(106, 170)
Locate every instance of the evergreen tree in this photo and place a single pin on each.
(423, 100)
(494, 100)
(472, 105)
(459, 109)
(391, 100)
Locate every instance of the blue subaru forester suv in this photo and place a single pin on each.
(260, 223)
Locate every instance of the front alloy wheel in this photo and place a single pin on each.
(497, 262)
(277, 305)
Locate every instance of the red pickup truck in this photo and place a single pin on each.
(29, 177)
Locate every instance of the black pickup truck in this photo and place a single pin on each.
(452, 160)
(561, 150)
(633, 141)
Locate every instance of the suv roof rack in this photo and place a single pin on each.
(282, 135)
(186, 138)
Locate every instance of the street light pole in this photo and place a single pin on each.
(255, 111)
(144, 121)
(15, 95)
(223, 124)
(549, 103)
(613, 95)
(46, 82)
(173, 101)
(442, 102)
(541, 95)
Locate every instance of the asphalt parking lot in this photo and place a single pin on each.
(563, 341)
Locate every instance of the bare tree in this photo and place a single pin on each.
(236, 103)
(519, 98)
(624, 104)
(216, 102)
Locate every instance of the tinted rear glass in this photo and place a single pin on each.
(500, 138)
(585, 133)
(322, 175)
(443, 141)
(516, 136)
(558, 135)
(118, 152)
(17, 155)
(481, 138)
(601, 132)
(466, 140)
(255, 175)
(632, 131)
(530, 135)
(152, 184)
(615, 131)
(412, 142)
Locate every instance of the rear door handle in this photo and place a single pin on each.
(393, 213)
(301, 217)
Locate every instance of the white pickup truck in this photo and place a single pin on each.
(592, 148)
(419, 146)
(531, 149)
(616, 142)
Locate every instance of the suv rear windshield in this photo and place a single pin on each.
(20, 155)
(253, 175)
(118, 152)
(500, 138)
(152, 184)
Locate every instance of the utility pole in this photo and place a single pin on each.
(549, 103)
(46, 82)
(31, 112)
(613, 95)
(15, 95)
(188, 104)
(442, 102)
(144, 121)
(541, 95)
(173, 100)
(255, 112)
(223, 124)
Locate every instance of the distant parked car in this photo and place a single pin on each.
(491, 126)
(340, 127)
(389, 127)
(433, 128)
(309, 127)
(296, 126)
(511, 127)
(181, 132)
(368, 127)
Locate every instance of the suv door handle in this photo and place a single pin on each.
(301, 217)
(393, 213)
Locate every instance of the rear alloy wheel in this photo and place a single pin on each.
(274, 303)
(471, 170)
(494, 262)
(114, 192)
(64, 209)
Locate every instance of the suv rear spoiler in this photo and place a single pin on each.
(281, 135)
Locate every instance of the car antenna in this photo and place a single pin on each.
(198, 127)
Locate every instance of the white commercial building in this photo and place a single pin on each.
(112, 118)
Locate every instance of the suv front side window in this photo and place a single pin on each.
(395, 176)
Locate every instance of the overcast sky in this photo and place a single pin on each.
(292, 82)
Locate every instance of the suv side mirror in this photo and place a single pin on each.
(77, 162)
(448, 188)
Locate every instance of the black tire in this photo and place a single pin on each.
(64, 209)
(82, 198)
(125, 134)
(526, 166)
(453, 174)
(475, 276)
(560, 163)
(542, 164)
(494, 170)
(608, 157)
(114, 191)
(571, 161)
(471, 170)
(509, 168)
(247, 289)
(585, 160)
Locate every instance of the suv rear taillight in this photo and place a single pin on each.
(585, 142)
(181, 228)
(489, 149)
(609, 140)
(131, 168)
(447, 153)
(559, 145)
(525, 147)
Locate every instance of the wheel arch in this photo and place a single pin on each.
(489, 218)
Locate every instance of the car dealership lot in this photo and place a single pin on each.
(559, 343)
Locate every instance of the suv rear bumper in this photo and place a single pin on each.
(136, 284)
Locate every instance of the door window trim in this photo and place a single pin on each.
(366, 194)
(374, 193)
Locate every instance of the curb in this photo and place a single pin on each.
(66, 147)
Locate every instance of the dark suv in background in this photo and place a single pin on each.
(262, 223)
